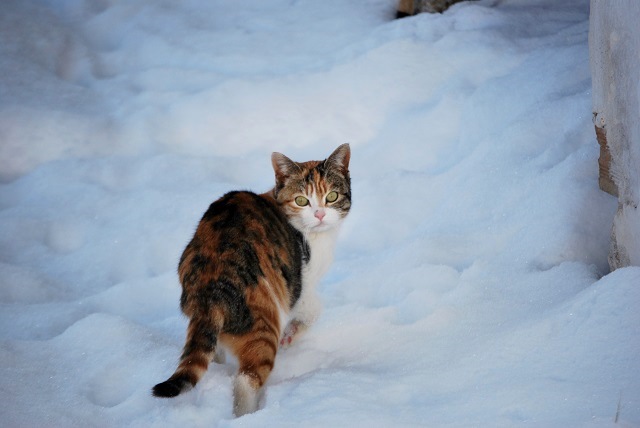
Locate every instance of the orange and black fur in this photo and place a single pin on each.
(250, 268)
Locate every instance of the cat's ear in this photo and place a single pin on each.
(283, 166)
(340, 159)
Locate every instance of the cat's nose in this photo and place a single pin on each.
(319, 214)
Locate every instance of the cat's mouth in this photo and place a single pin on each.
(321, 227)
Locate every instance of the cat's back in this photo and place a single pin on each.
(243, 214)
(242, 238)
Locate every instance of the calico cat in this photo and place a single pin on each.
(249, 273)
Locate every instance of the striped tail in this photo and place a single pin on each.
(199, 349)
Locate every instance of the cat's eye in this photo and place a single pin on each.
(302, 201)
(332, 196)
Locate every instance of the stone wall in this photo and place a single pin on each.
(614, 47)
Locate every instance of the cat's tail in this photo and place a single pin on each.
(199, 349)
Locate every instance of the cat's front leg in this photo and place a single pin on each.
(290, 332)
(303, 315)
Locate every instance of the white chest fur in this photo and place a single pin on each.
(321, 246)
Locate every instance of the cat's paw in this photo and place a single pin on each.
(290, 333)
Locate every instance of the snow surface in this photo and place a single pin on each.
(470, 286)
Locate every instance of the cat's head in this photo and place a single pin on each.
(315, 195)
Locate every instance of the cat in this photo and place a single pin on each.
(249, 274)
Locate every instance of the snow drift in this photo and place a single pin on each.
(470, 286)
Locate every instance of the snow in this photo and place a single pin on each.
(470, 286)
